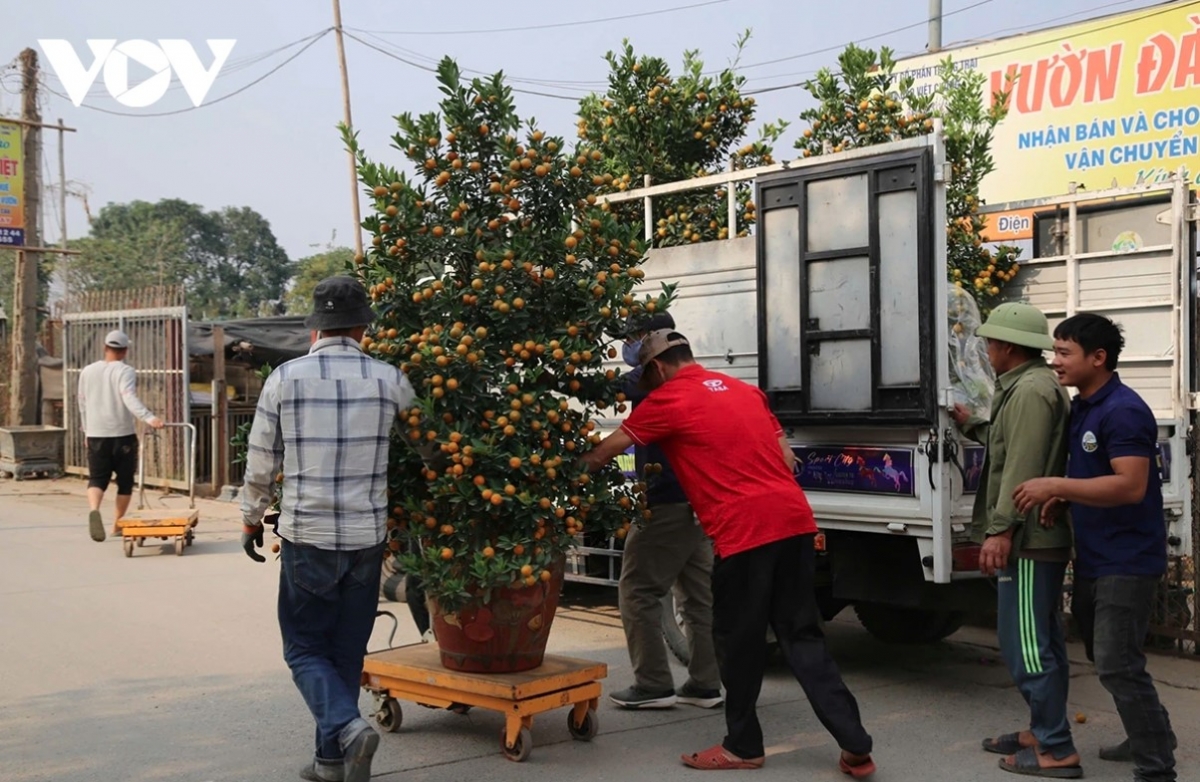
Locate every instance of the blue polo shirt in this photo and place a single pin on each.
(1129, 540)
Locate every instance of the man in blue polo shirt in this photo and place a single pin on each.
(1115, 494)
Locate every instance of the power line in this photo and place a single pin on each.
(1033, 27)
(586, 86)
(555, 25)
(579, 86)
(1011, 50)
(233, 66)
(225, 97)
(431, 69)
(839, 47)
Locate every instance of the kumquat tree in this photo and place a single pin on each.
(502, 282)
(650, 122)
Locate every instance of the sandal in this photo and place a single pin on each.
(720, 759)
(1008, 744)
(863, 768)
(1026, 762)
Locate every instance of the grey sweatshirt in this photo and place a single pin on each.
(108, 401)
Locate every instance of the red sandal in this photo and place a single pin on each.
(720, 759)
(863, 768)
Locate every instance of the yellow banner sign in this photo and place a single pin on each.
(12, 189)
(1110, 102)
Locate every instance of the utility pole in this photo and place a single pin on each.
(341, 51)
(935, 25)
(23, 407)
(62, 211)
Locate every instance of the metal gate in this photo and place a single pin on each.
(156, 321)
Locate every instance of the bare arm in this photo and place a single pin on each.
(1127, 486)
(789, 456)
(616, 443)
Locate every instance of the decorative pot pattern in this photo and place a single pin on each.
(505, 635)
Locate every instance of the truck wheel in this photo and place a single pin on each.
(828, 605)
(675, 633)
(673, 630)
(895, 625)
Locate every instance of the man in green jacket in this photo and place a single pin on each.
(1025, 438)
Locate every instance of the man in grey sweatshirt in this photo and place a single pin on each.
(109, 409)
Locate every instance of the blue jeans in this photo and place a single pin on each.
(1114, 615)
(327, 604)
(1035, 649)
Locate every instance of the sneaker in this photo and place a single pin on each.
(322, 771)
(359, 750)
(636, 698)
(96, 526)
(695, 696)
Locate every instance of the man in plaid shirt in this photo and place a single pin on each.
(324, 421)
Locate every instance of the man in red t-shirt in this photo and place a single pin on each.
(733, 461)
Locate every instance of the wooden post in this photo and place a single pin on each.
(23, 407)
(341, 51)
(220, 414)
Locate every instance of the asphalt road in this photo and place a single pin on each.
(169, 668)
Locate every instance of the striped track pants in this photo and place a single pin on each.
(1034, 647)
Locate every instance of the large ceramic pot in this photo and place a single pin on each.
(505, 635)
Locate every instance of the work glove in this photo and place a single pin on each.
(252, 538)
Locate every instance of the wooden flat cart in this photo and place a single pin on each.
(135, 527)
(415, 673)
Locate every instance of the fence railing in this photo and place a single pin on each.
(209, 451)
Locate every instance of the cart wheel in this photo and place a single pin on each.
(140, 542)
(519, 751)
(588, 730)
(179, 546)
(129, 547)
(390, 716)
(187, 539)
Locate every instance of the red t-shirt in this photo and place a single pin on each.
(722, 440)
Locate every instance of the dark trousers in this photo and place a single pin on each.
(1035, 648)
(1114, 614)
(772, 585)
(327, 603)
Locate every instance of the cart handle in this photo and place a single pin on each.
(190, 431)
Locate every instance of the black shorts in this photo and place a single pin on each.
(108, 455)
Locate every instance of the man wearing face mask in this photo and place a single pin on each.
(670, 548)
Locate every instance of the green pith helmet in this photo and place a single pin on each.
(1020, 324)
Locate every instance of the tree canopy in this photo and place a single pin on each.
(312, 269)
(228, 261)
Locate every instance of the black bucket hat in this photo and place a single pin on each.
(339, 303)
(643, 323)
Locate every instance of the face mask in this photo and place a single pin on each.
(630, 352)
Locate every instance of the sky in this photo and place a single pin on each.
(274, 145)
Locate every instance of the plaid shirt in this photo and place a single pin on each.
(325, 420)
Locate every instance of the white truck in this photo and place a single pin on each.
(837, 309)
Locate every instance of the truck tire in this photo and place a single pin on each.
(675, 633)
(895, 625)
(828, 605)
(673, 630)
